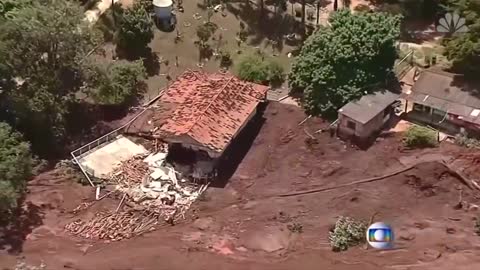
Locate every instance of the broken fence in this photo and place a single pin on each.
(87, 148)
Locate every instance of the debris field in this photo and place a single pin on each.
(151, 192)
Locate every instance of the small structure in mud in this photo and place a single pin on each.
(362, 119)
(199, 116)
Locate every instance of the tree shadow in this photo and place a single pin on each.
(14, 230)
(151, 62)
(269, 25)
(466, 84)
(238, 149)
(418, 32)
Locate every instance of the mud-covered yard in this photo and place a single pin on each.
(246, 225)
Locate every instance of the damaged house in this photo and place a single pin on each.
(199, 116)
(445, 101)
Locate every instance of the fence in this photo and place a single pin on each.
(79, 152)
(404, 65)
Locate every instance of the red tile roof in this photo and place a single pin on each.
(209, 108)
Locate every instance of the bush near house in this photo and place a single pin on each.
(260, 69)
(465, 141)
(420, 137)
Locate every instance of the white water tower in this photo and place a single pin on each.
(163, 9)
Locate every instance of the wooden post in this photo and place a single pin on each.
(113, 13)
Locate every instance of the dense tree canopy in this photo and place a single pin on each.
(260, 69)
(42, 47)
(15, 166)
(464, 48)
(136, 29)
(116, 83)
(338, 63)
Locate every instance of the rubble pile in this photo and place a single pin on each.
(152, 191)
(152, 184)
(132, 170)
(113, 226)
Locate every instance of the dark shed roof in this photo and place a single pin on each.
(369, 106)
(447, 92)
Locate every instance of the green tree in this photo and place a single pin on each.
(259, 69)
(42, 46)
(7, 6)
(464, 49)
(338, 63)
(15, 166)
(204, 33)
(117, 83)
(135, 30)
(147, 5)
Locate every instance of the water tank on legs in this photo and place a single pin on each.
(163, 9)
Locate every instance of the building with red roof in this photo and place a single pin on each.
(201, 112)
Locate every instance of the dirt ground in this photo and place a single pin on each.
(244, 225)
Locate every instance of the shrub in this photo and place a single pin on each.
(117, 83)
(15, 167)
(135, 30)
(348, 232)
(295, 227)
(465, 141)
(420, 137)
(225, 59)
(21, 265)
(253, 68)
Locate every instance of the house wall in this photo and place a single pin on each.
(362, 131)
(435, 118)
(344, 130)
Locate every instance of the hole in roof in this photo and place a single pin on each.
(475, 112)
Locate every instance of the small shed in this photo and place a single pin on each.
(361, 119)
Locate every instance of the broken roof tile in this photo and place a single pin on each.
(209, 108)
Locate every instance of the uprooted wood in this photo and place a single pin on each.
(304, 120)
(308, 134)
(81, 207)
(113, 226)
(460, 175)
(131, 171)
(475, 184)
(466, 181)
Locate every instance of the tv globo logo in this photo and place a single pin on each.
(380, 236)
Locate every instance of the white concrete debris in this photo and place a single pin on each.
(161, 189)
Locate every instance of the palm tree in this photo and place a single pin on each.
(335, 5)
(318, 10)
